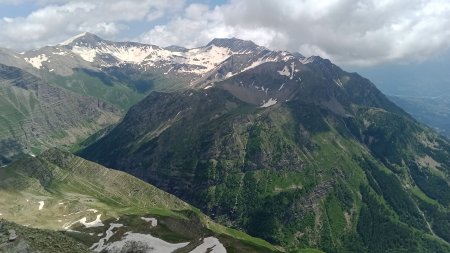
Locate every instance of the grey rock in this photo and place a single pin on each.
(12, 235)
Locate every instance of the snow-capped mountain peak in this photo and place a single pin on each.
(220, 59)
(83, 39)
(72, 39)
(235, 45)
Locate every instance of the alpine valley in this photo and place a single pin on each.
(229, 147)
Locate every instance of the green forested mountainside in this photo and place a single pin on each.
(57, 190)
(341, 169)
(35, 115)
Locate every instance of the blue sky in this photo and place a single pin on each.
(16, 10)
(352, 33)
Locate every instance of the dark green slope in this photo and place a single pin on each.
(337, 167)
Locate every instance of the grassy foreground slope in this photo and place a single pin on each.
(58, 191)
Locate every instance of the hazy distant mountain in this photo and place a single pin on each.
(419, 88)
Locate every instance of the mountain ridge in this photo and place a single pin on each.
(321, 154)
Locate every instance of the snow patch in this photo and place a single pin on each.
(100, 245)
(88, 54)
(307, 60)
(60, 53)
(152, 220)
(165, 73)
(67, 42)
(292, 70)
(96, 223)
(266, 58)
(269, 103)
(285, 71)
(88, 210)
(134, 54)
(37, 61)
(210, 245)
(41, 205)
(207, 87)
(338, 82)
(157, 244)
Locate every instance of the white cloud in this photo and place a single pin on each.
(353, 32)
(55, 21)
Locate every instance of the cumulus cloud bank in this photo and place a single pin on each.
(354, 32)
(55, 20)
(351, 32)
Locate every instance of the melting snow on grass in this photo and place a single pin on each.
(156, 244)
(210, 245)
(270, 102)
(41, 205)
(152, 220)
(96, 223)
(88, 210)
(100, 245)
